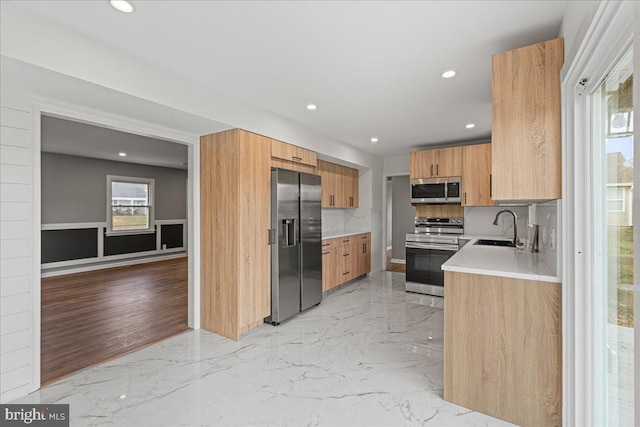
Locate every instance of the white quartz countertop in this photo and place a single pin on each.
(341, 233)
(500, 261)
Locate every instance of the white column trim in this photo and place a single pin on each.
(607, 37)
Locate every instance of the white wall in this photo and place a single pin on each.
(575, 23)
(16, 293)
(398, 165)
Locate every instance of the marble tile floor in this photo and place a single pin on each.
(369, 355)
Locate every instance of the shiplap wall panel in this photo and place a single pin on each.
(14, 230)
(14, 360)
(15, 174)
(14, 248)
(14, 211)
(15, 393)
(15, 378)
(13, 323)
(15, 341)
(14, 304)
(12, 267)
(15, 155)
(14, 137)
(14, 118)
(16, 284)
(15, 192)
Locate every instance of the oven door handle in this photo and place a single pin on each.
(441, 247)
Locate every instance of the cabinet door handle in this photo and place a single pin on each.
(490, 185)
(297, 159)
(465, 197)
(364, 248)
(326, 244)
(438, 170)
(345, 255)
(345, 241)
(325, 253)
(431, 170)
(344, 274)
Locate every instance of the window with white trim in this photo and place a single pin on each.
(129, 204)
(616, 197)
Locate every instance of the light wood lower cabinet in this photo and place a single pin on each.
(344, 259)
(235, 198)
(503, 347)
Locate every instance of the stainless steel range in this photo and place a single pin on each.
(435, 241)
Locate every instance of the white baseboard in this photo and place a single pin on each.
(398, 261)
(102, 266)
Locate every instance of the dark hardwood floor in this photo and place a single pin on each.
(91, 317)
(394, 266)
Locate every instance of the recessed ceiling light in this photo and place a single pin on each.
(122, 5)
(470, 126)
(122, 154)
(448, 74)
(374, 140)
(312, 107)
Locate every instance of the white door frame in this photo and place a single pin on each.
(607, 38)
(123, 124)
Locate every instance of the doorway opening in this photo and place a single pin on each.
(114, 231)
(400, 221)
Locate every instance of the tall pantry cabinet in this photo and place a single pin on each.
(235, 196)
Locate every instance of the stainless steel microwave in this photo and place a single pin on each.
(436, 190)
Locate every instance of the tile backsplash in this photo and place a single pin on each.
(479, 221)
(332, 219)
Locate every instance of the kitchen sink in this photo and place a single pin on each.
(489, 242)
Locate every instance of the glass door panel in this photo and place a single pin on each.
(613, 200)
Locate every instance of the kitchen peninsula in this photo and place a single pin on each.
(502, 334)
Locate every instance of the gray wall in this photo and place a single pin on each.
(74, 189)
(403, 214)
(389, 239)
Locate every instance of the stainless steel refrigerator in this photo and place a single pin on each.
(296, 243)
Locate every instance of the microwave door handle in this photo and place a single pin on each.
(446, 190)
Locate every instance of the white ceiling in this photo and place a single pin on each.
(373, 68)
(86, 140)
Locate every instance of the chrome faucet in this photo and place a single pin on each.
(515, 223)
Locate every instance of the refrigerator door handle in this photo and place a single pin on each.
(290, 232)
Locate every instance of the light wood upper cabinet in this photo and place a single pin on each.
(421, 164)
(441, 162)
(235, 200)
(293, 153)
(339, 185)
(526, 130)
(476, 175)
